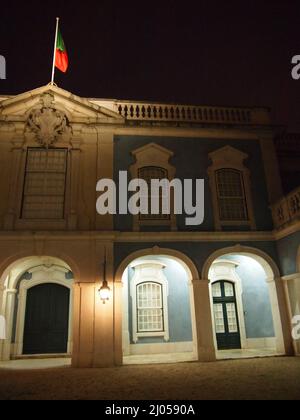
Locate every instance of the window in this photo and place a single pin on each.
(231, 195)
(150, 307)
(230, 183)
(149, 293)
(148, 173)
(152, 161)
(45, 183)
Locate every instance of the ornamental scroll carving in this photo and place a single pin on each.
(47, 122)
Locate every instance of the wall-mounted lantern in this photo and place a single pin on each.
(104, 291)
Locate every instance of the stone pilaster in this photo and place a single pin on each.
(204, 327)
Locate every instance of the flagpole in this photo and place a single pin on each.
(54, 53)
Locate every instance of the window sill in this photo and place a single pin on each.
(154, 334)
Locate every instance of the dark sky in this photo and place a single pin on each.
(203, 52)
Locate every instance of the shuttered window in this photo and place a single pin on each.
(45, 184)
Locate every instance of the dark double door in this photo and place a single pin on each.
(226, 316)
(47, 320)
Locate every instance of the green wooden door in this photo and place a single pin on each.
(226, 316)
(46, 320)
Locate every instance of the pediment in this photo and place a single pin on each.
(152, 151)
(228, 154)
(76, 109)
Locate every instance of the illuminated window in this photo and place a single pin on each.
(45, 183)
(149, 293)
(150, 308)
(231, 195)
(148, 174)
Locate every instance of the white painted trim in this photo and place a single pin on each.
(149, 271)
(53, 275)
(125, 318)
(226, 270)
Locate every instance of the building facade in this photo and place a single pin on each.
(178, 292)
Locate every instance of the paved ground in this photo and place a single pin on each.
(270, 378)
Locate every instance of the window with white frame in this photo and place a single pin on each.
(149, 293)
(150, 316)
(231, 195)
(45, 184)
(149, 173)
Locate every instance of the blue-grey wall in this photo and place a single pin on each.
(191, 162)
(180, 325)
(256, 298)
(287, 252)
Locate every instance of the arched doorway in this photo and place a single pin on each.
(46, 328)
(249, 315)
(158, 319)
(37, 303)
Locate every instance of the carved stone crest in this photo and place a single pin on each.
(47, 122)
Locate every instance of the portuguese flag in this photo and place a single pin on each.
(61, 56)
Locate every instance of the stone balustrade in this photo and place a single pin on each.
(287, 210)
(138, 111)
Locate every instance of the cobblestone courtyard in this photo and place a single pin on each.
(270, 378)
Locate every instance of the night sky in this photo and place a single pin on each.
(205, 52)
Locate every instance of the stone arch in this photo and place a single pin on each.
(9, 263)
(269, 265)
(181, 258)
(52, 270)
(276, 290)
(177, 255)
